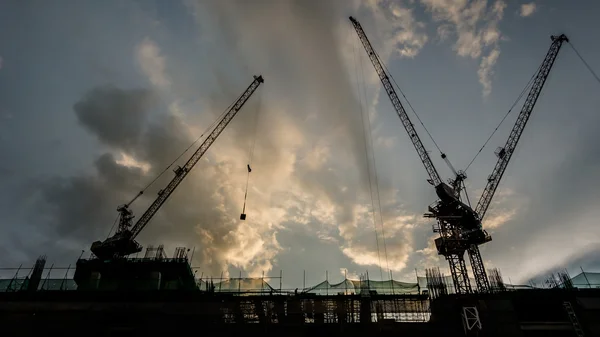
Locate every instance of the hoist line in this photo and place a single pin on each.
(253, 142)
(525, 89)
(584, 62)
(409, 104)
(367, 157)
(374, 165)
(251, 152)
(113, 226)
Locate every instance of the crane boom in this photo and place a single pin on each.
(181, 172)
(505, 153)
(389, 89)
(123, 243)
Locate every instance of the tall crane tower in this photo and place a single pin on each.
(458, 224)
(123, 243)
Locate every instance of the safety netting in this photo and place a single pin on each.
(236, 285)
(347, 286)
(350, 287)
(586, 280)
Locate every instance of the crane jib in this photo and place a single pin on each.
(389, 89)
(511, 143)
(145, 218)
(123, 242)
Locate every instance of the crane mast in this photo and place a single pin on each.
(123, 242)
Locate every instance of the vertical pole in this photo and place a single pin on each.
(262, 283)
(392, 283)
(304, 280)
(240, 282)
(280, 279)
(14, 278)
(586, 279)
(65, 278)
(220, 281)
(47, 276)
(346, 281)
(327, 281)
(418, 285)
(192, 258)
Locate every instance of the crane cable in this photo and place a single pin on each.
(113, 226)
(251, 156)
(584, 62)
(210, 127)
(360, 98)
(523, 92)
(374, 166)
(408, 102)
(527, 86)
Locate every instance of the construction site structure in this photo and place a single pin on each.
(153, 304)
(459, 226)
(123, 243)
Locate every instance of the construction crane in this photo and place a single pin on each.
(449, 210)
(505, 153)
(458, 224)
(123, 243)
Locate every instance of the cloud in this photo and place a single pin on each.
(527, 9)
(486, 70)
(586, 258)
(297, 178)
(115, 116)
(200, 213)
(152, 63)
(397, 26)
(328, 113)
(505, 207)
(475, 26)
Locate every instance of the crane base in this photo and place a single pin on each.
(113, 248)
(138, 274)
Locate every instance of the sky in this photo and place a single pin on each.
(98, 98)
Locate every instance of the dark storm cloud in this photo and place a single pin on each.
(82, 208)
(114, 115)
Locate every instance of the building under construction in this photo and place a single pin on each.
(156, 296)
